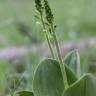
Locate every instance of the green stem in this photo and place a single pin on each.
(60, 59)
(49, 45)
(48, 41)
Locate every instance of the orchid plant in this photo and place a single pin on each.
(57, 76)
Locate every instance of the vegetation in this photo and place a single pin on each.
(58, 77)
(55, 76)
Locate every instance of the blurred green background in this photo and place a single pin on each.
(75, 19)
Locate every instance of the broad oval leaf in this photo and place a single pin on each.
(86, 86)
(48, 79)
(71, 77)
(72, 60)
(25, 93)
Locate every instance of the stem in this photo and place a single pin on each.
(60, 59)
(49, 45)
(48, 41)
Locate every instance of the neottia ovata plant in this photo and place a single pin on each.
(58, 77)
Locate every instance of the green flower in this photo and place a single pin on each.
(38, 5)
(48, 12)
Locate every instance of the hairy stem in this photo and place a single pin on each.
(48, 41)
(60, 59)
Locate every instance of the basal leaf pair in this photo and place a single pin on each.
(48, 80)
